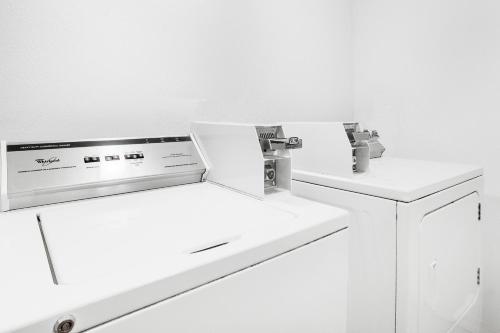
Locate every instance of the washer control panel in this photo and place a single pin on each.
(62, 166)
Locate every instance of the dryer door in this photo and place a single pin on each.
(449, 258)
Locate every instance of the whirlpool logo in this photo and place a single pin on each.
(46, 162)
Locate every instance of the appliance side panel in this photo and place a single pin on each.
(418, 283)
(372, 251)
(301, 291)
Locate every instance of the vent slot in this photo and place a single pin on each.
(267, 135)
(267, 132)
(211, 247)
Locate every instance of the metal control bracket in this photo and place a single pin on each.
(272, 138)
(355, 135)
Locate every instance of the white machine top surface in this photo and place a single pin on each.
(123, 233)
(397, 179)
(114, 255)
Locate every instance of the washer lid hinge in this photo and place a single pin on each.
(479, 211)
(478, 276)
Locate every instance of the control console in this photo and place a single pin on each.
(40, 173)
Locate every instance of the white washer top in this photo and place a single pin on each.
(126, 233)
(397, 179)
(116, 254)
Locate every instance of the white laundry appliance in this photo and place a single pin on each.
(414, 237)
(128, 235)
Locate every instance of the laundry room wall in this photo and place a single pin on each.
(427, 75)
(114, 68)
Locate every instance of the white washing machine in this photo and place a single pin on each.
(414, 236)
(95, 237)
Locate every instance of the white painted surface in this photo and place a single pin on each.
(372, 256)
(395, 178)
(34, 302)
(326, 148)
(383, 227)
(122, 68)
(449, 259)
(437, 289)
(233, 154)
(126, 233)
(430, 85)
(300, 291)
(427, 75)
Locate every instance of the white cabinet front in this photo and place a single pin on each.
(303, 290)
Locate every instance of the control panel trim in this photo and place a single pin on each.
(93, 143)
(86, 191)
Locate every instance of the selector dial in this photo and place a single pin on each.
(269, 172)
(64, 324)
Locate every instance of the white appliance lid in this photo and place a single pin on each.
(131, 260)
(95, 238)
(397, 179)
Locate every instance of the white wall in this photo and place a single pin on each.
(110, 68)
(427, 74)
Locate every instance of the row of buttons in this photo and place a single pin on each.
(93, 159)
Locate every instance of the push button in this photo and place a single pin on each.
(134, 156)
(91, 159)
